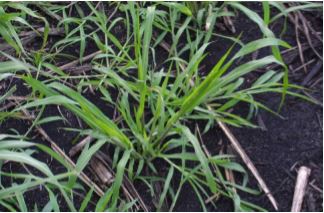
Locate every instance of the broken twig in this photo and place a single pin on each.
(316, 69)
(75, 62)
(228, 22)
(101, 171)
(300, 50)
(78, 147)
(300, 188)
(237, 147)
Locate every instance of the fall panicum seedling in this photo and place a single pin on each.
(152, 103)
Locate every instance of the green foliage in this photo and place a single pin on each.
(154, 102)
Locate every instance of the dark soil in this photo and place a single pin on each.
(277, 151)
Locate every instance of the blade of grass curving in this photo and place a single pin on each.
(143, 63)
(246, 68)
(119, 176)
(112, 194)
(15, 144)
(180, 7)
(7, 94)
(258, 44)
(200, 92)
(7, 37)
(191, 67)
(8, 206)
(84, 159)
(248, 162)
(82, 42)
(268, 33)
(165, 188)
(21, 157)
(21, 201)
(86, 200)
(7, 192)
(202, 158)
(146, 42)
(196, 190)
(104, 200)
(10, 66)
(53, 200)
(88, 111)
(266, 12)
(286, 11)
(30, 12)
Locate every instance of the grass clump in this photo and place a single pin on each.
(154, 103)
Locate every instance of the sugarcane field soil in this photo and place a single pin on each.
(278, 148)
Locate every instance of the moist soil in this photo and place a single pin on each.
(277, 149)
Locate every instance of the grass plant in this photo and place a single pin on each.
(155, 103)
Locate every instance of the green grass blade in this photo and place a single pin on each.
(203, 159)
(86, 200)
(165, 188)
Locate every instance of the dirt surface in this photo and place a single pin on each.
(277, 151)
(283, 147)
